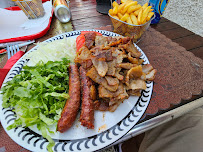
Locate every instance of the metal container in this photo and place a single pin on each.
(130, 30)
(61, 10)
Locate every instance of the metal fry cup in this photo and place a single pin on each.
(130, 30)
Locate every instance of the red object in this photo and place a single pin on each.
(44, 1)
(9, 64)
(2, 51)
(13, 60)
(3, 73)
(80, 40)
(28, 37)
(84, 32)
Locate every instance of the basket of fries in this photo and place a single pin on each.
(131, 19)
(32, 8)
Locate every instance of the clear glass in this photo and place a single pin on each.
(32, 8)
(131, 30)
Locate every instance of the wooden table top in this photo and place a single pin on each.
(85, 16)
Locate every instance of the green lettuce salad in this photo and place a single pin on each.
(38, 95)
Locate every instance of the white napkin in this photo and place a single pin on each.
(39, 21)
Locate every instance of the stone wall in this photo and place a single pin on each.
(186, 13)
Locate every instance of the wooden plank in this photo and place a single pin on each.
(190, 42)
(198, 52)
(165, 26)
(102, 18)
(86, 14)
(83, 9)
(80, 7)
(162, 20)
(177, 33)
(82, 3)
(91, 25)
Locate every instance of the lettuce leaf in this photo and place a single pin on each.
(53, 51)
(38, 95)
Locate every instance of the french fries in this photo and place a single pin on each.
(133, 8)
(120, 15)
(129, 5)
(120, 7)
(140, 16)
(131, 12)
(124, 18)
(144, 6)
(134, 19)
(150, 15)
(137, 11)
(115, 4)
(116, 17)
(115, 10)
(129, 21)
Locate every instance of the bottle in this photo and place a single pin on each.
(61, 10)
(159, 7)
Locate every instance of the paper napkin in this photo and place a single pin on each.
(9, 65)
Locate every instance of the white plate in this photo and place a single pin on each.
(109, 127)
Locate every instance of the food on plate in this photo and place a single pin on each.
(53, 51)
(37, 96)
(115, 66)
(80, 40)
(88, 95)
(72, 105)
(131, 12)
(107, 70)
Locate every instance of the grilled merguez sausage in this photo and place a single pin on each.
(87, 108)
(72, 105)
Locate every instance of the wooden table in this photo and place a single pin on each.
(85, 16)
